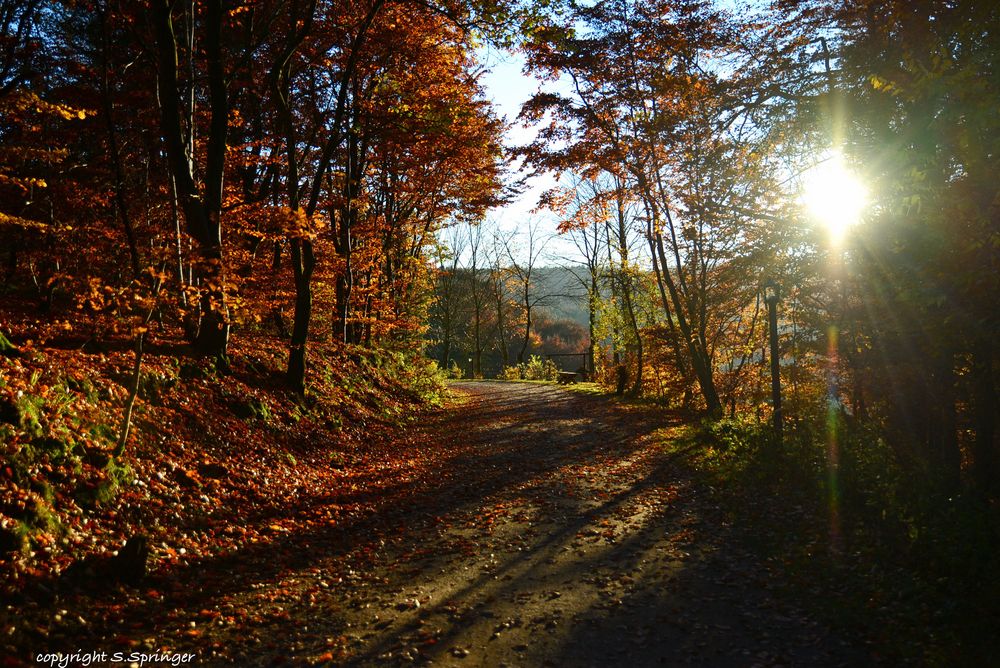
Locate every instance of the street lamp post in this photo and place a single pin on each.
(771, 298)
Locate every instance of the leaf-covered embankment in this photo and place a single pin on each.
(220, 455)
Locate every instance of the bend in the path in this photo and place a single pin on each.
(525, 525)
(566, 537)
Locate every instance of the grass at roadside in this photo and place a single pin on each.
(859, 541)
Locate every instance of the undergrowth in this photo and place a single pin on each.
(832, 507)
(535, 368)
(60, 413)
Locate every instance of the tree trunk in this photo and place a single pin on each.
(621, 373)
(592, 322)
(700, 362)
(303, 257)
(202, 210)
(303, 263)
(501, 330)
(527, 335)
(116, 160)
(344, 242)
(634, 325)
(477, 366)
(674, 338)
(126, 423)
(446, 351)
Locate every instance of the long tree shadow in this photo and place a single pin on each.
(522, 570)
(664, 586)
(471, 460)
(691, 597)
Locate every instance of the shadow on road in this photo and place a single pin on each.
(526, 525)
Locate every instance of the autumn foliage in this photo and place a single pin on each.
(193, 193)
(691, 130)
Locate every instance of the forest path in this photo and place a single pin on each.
(555, 533)
(523, 525)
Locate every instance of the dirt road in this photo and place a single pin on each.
(556, 534)
(524, 525)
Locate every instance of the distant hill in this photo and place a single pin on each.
(568, 295)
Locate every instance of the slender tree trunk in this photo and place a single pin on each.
(700, 362)
(126, 424)
(303, 264)
(301, 250)
(527, 333)
(366, 335)
(477, 366)
(213, 336)
(116, 159)
(446, 349)
(140, 335)
(673, 337)
(179, 236)
(621, 372)
(502, 332)
(592, 322)
(202, 210)
(634, 326)
(344, 242)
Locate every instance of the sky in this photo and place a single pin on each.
(508, 87)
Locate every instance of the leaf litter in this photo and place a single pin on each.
(576, 542)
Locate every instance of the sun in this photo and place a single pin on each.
(834, 196)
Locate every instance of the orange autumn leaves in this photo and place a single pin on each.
(210, 147)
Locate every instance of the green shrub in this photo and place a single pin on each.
(334, 422)
(513, 372)
(57, 449)
(737, 434)
(104, 433)
(7, 348)
(15, 537)
(338, 459)
(30, 409)
(84, 387)
(421, 377)
(539, 369)
(114, 475)
(197, 370)
(535, 368)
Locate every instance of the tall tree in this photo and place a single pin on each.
(523, 268)
(201, 203)
(646, 105)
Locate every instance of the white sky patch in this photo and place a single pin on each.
(506, 85)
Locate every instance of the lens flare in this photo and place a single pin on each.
(834, 196)
(832, 439)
